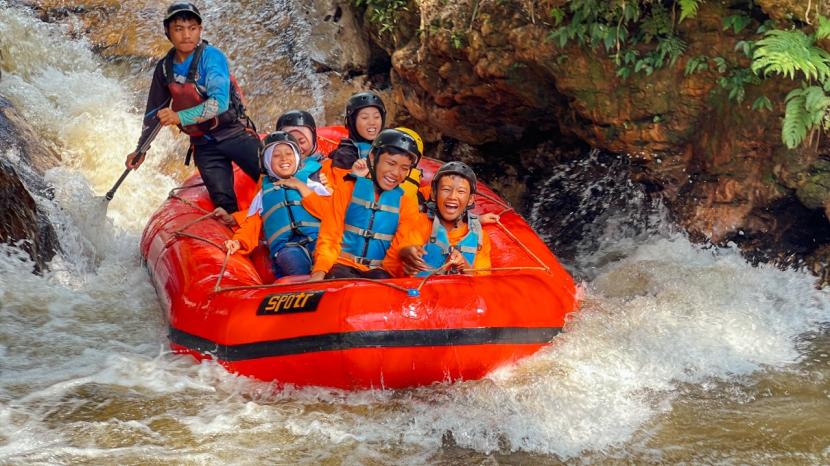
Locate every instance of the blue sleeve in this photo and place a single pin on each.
(215, 77)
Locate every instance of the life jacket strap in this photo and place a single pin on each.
(368, 233)
(375, 206)
(277, 233)
(285, 204)
(295, 228)
(192, 71)
(371, 263)
(467, 249)
(306, 224)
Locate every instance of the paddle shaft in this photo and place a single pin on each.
(138, 154)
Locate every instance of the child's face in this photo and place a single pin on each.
(453, 196)
(283, 161)
(305, 143)
(368, 122)
(392, 170)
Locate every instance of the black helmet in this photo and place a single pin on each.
(455, 168)
(399, 140)
(181, 8)
(299, 118)
(359, 101)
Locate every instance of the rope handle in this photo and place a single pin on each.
(433, 273)
(222, 271)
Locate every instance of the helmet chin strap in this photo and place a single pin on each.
(371, 166)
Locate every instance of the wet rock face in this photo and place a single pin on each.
(337, 43)
(21, 222)
(484, 73)
(788, 10)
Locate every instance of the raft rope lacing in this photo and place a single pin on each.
(180, 233)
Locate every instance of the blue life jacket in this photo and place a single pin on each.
(284, 218)
(363, 149)
(369, 225)
(311, 166)
(438, 246)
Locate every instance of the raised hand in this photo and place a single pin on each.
(489, 217)
(360, 168)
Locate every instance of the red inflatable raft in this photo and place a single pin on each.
(357, 333)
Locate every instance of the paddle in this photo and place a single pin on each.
(138, 154)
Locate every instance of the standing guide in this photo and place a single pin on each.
(206, 103)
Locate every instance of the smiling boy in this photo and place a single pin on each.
(367, 212)
(448, 238)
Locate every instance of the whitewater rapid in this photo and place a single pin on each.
(666, 329)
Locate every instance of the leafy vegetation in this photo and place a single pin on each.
(795, 55)
(382, 13)
(640, 36)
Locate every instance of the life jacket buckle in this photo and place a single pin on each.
(363, 261)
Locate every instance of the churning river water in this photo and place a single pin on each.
(678, 354)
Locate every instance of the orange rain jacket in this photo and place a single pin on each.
(423, 230)
(250, 229)
(329, 242)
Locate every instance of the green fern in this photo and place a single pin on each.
(795, 126)
(789, 52)
(762, 103)
(382, 13)
(696, 64)
(688, 8)
(736, 22)
(805, 111)
(816, 103)
(823, 30)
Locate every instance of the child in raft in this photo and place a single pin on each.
(448, 237)
(365, 119)
(301, 125)
(367, 212)
(286, 211)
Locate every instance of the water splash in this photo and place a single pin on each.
(85, 115)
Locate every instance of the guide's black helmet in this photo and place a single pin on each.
(182, 10)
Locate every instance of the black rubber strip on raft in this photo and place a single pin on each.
(368, 339)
